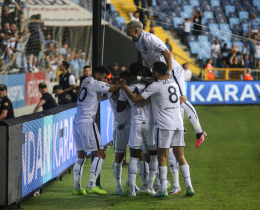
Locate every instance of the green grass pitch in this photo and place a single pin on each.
(224, 170)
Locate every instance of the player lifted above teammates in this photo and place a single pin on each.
(85, 132)
(141, 132)
(153, 49)
(168, 123)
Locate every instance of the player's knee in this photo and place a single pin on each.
(147, 158)
(119, 157)
(181, 160)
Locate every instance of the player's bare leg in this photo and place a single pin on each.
(78, 170)
(118, 171)
(95, 170)
(185, 170)
(194, 119)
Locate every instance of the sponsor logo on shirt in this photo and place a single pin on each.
(166, 108)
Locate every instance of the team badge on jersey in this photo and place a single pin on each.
(6, 104)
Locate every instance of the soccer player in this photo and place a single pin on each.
(153, 49)
(85, 132)
(141, 131)
(121, 131)
(168, 123)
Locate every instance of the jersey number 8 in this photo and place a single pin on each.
(172, 92)
(84, 96)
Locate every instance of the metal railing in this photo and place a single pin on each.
(226, 74)
(256, 73)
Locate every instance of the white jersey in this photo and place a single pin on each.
(139, 114)
(165, 99)
(90, 94)
(151, 48)
(121, 119)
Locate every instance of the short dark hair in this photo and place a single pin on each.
(225, 44)
(125, 74)
(160, 68)
(184, 64)
(86, 67)
(135, 68)
(147, 72)
(66, 64)
(101, 69)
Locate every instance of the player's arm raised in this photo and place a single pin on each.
(168, 58)
(134, 98)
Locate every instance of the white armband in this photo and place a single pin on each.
(139, 78)
(169, 72)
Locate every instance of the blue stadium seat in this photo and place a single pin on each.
(168, 23)
(204, 54)
(165, 6)
(173, 14)
(225, 2)
(174, 3)
(162, 17)
(219, 14)
(177, 21)
(185, 2)
(257, 4)
(243, 15)
(239, 45)
(229, 44)
(224, 26)
(115, 14)
(245, 28)
(204, 2)
(178, 9)
(258, 20)
(191, 38)
(194, 3)
(229, 8)
(245, 21)
(203, 38)
(221, 20)
(194, 47)
(213, 26)
(112, 7)
(205, 44)
(206, 7)
(211, 20)
(121, 20)
(208, 14)
(187, 8)
(232, 15)
(154, 3)
(237, 27)
(236, 2)
(197, 8)
(156, 9)
(218, 8)
(236, 31)
(203, 21)
(235, 39)
(239, 8)
(233, 21)
(215, 3)
(185, 15)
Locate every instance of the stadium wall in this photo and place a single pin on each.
(38, 147)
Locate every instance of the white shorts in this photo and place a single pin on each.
(120, 139)
(87, 137)
(142, 134)
(167, 139)
(178, 77)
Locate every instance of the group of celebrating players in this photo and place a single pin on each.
(148, 105)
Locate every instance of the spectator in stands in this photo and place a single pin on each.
(168, 45)
(48, 40)
(187, 30)
(114, 69)
(64, 49)
(210, 68)
(6, 106)
(257, 52)
(67, 80)
(86, 73)
(46, 101)
(20, 21)
(34, 43)
(234, 61)
(216, 53)
(187, 72)
(5, 35)
(248, 76)
(134, 15)
(122, 68)
(82, 60)
(253, 27)
(151, 30)
(224, 55)
(9, 17)
(246, 58)
(74, 62)
(252, 50)
(63, 98)
(196, 19)
(53, 65)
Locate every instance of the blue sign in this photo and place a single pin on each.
(106, 122)
(223, 92)
(48, 150)
(15, 88)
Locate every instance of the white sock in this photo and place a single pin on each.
(174, 166)
(132, 171)
(163, 178)
(157, 178)
(143, 173)
(30, 65)
(185, 170)
(146, 165)
(153, 167)
(192, 115)
(95, 170)
(117, 174)
(78, 170)
(182, 112)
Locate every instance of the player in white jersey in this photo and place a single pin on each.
(141, 132)
(168, 124)
(85, 132)
(121, 131)
(153, 50)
